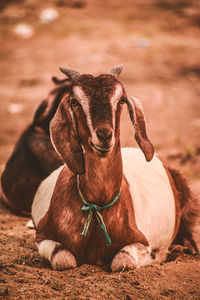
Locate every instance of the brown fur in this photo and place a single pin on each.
(188, 211)
(64, 227)
(99, 90)
(177, 202)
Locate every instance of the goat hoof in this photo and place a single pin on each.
(123, 261)
(62, 259)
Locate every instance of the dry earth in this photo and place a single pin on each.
(158, 43)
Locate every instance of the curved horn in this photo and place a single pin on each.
(72, 74)
(116, 70)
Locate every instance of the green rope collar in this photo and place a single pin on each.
(93, 208)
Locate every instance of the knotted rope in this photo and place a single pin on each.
(93, 208)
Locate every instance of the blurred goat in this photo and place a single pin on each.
(33, 158)
(108, 204)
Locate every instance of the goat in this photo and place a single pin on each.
(107, 204)
(34, 157)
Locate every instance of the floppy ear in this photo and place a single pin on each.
(48, 107)
(58, 81)
(65, 139)
(138, 120)
(40, 111)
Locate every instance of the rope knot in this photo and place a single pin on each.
(93, 208)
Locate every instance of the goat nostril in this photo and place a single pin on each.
(104, 135)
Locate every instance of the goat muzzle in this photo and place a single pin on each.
(104, 135)
(103, 141)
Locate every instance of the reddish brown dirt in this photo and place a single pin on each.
(158, 43)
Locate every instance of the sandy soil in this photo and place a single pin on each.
(158, 43)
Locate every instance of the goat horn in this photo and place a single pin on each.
(72, 74)
(116, 70)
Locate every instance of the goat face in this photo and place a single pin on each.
(97, 102)
(89, 118)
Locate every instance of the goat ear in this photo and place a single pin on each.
(138, 120)
(58, 81)
(48, 107)
(38, 116)
(64, 138)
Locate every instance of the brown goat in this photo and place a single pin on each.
(107, 204)
(33, 158)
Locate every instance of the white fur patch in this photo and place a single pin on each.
(131, 257)
(152, 197)
(62, 260)
(46, 248)
(30, 224)
(43, 196)
(84, 101)
(114, 101)
(123, 260)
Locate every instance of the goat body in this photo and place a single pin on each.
(34, 157)
(153, 208)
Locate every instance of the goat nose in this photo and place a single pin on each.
(104, 134)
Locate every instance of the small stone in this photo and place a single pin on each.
(24, 30)
(167, 292)
(164, 293)
(143, 43)
(15, 108)
(30, 224)
(49, 15)
(136, 282)
(83, 274)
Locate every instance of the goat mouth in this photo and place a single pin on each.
(102, 151)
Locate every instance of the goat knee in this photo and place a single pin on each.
(62, 259)
(123, 260)
(132, 257)
(59, 257)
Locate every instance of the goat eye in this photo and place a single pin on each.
(122, 100)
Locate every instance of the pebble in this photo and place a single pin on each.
(30, 225)
(15, 108)
(142, 43)
(24, 30)
(48, 15)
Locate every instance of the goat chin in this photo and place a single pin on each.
(101, 150)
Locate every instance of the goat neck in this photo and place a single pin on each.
(102, 179)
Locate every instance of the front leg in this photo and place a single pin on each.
(132, 257)
(59, 257)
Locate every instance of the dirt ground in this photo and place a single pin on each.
(157, 41)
